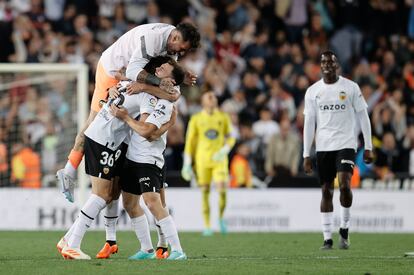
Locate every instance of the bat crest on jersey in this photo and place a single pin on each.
(342, 95)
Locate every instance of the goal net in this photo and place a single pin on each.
(42, 106)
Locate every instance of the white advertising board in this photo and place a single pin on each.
(267, 210)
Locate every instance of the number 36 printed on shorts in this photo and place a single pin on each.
(109, 158)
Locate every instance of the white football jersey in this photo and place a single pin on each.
(110, 131)
(140, 149)
(334, 106)
(135, 48)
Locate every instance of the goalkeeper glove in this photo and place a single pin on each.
(187, 171)
(221, 154)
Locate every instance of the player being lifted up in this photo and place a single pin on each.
(105, 152)
(331, 105)
(208, 142)
(144, 176)
(132, 51)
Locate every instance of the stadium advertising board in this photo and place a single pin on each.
(270, 210)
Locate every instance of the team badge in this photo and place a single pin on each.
(342, 95)
(211, 134)
(153, 101)
(106, 170)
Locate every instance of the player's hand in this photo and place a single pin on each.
(221, 154)
(307, 165)
(187, 172)
(135, 88)
(167, 84)
(120, 75)
(190, 78)
(119, 112)
(368, 156)
(173, 96)
(113, 92)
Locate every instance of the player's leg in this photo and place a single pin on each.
(131, 192)
(345, 165)
(110, 219)
(100, 196)
(101, 174)
(204, 177)
(162, 246)
(66, 177)
(140, 225)
(151, 183)
(220, 177)
(327, 172)
(112, 209)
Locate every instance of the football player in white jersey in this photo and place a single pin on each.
(143, 175)
(104, 154)
(331, 106)
(132, 51)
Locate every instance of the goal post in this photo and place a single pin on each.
(45, 79)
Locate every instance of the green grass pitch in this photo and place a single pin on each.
(236, 253)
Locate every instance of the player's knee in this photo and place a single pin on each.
(129, 205)
(152, 201)
(327, 193)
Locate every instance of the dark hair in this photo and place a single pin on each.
(329, 52)
(190, 34)
(178, 73)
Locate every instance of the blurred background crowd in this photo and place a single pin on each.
(258, 56)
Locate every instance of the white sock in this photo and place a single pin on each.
(170, 232)
(162, 242)
(141, 228)
(327, 219)
(70, 170)
(87, 214)
(345, 217)
(67, 235)
(110, 219)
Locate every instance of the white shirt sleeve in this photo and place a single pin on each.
(309, 109)
(150, 46)
(161, 114)
(308, 134)
(358, 101)
(148, 103)
(365, 128)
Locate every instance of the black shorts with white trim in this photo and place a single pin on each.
(331, 162)
(139, 178)
(103, 162)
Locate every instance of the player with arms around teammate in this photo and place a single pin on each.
(132, 51)
(332, 105)
(105, 151)
(209, 140)
(144, 176)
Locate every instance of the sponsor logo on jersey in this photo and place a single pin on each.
(211, 134)
(144, 179)
(106, 170)
(153, 101)
(332, 107)
(342, 95)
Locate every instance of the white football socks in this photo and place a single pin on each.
(110, 219)
(170, 232)
(87, 214)
(345, 217)
(141, 228)
(67, 235)
(327, 220)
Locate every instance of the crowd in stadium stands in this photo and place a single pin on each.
(258, 56)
